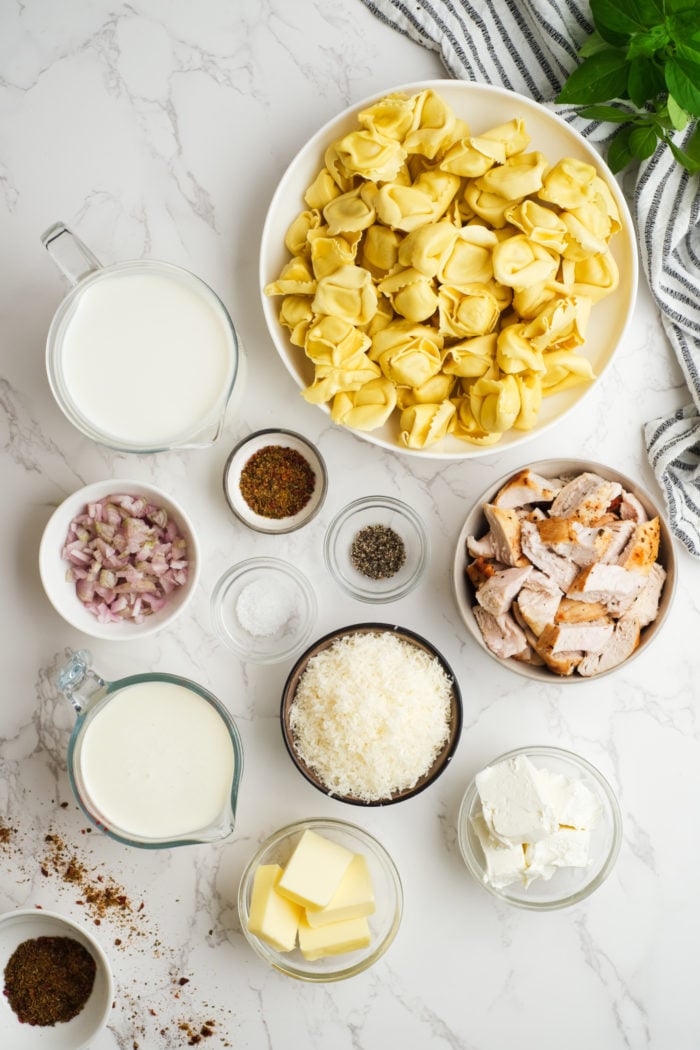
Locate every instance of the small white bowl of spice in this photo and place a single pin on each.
(376, 549)
(264, 609)
(57, 983)
(275, 481)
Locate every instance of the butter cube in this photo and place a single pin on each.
(333, 939)
(314, 870)
(353, 898)
(273, 918)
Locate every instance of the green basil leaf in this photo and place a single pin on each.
(643, 142)
(644, 81)
(687, 161)
(677, 115)
(592, 44)
(690, 50)
(608, 113)
(619, 152)
(625, 16)
(683, 82)
(692, 146)
(648, 43)
(599, 78)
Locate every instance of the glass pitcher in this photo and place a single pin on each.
(141, 356)
(154, 760)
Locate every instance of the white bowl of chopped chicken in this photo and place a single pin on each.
(564, 570)
(119, 559)
(371, 714)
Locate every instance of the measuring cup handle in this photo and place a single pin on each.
(73, 258)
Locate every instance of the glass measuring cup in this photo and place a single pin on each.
(154, 760)
(141, 356)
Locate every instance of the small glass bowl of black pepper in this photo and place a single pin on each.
(275, 481)
(376, 549)
(57, 982)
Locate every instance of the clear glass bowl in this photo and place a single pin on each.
(264, 609)
(242, 454)
(81, 1031)
(361, 514)
(384, 923)
(442, 759)
(568, 885)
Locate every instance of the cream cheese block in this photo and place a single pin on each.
(353, 899)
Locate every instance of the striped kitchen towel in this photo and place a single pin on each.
(530, 46)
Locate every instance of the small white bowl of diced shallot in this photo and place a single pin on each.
(564, 570)
(119, 559)
(320, 900)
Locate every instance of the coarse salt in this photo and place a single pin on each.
(263, 608)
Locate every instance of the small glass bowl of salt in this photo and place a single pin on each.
(264, 609)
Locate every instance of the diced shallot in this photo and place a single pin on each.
(126, 557)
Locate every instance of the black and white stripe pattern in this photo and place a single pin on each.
(530, 46)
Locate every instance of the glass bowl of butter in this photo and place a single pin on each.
(540, 827)
(320, 900)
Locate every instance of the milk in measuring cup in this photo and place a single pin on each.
(157, 762)
(146, 356)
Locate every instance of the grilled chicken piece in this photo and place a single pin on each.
(585, 498)
(564, 663)
(646, 605)
(481, 548)
(583, 637)
(631, 509)
(497, 593)
(500, 633)
(528, 656)
(526, 487)
(624, 641)
(585, 544)
(482, 569)
(643, 547)
(538, 601)
(561, 570)
(612, 585)
(505, 535)
(570, 611)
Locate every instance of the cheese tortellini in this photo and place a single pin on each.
(442, 276)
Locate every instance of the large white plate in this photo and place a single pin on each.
(482, 106)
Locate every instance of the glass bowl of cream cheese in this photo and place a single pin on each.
(540, 828)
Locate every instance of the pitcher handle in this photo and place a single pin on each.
(73, 258)
(80, 685)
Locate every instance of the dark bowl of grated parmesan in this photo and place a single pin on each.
(371, 714)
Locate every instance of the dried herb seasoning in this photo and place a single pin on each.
(48, 980)
(378, 552)
(277, 482)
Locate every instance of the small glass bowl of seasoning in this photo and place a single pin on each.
(264, 609)
(376, 549)
(275, 481)
(57, 982)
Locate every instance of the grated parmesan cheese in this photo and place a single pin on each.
(370, 715)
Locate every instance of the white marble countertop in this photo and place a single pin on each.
(161, 129)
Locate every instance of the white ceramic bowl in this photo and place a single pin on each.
(568, 885)
(482, 106)
(26, 924)
(242, 454)
(383, 924)
(476, 525)
(61, 592)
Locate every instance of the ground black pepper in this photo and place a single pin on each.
(277, 482)
(48, 980)
(377, 552)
